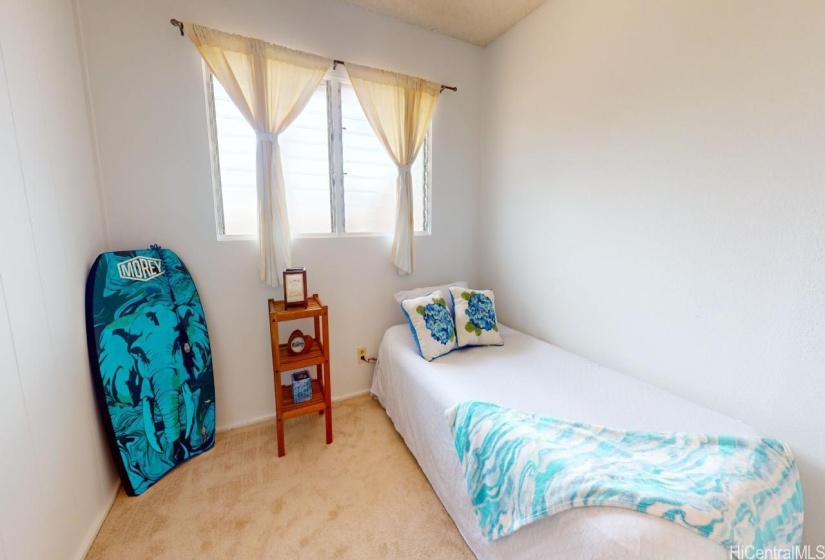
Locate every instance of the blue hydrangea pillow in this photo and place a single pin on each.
(431, 324)
(475, 317)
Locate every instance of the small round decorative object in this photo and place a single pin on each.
(299, 343)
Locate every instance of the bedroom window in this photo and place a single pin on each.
(339, 180)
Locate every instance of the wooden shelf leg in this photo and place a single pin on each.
(319, 373)
(329, 424)
(327, 386)
(281, 449)
(328, 408)
(276, 382)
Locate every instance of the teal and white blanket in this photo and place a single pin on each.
(521, 467)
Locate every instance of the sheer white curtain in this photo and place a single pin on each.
(270, 85)
(399, 108)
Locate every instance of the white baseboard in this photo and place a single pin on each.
(245, 423)
(351, 396)
(98, 524)
(271, 416)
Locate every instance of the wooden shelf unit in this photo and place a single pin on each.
(283, 361)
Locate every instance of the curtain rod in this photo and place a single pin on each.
(179, 25)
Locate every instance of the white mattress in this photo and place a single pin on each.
(534, 376)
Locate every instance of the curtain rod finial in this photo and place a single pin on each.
(178, 24)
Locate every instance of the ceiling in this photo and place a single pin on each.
(475, 21)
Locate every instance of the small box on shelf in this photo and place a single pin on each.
(301, 386)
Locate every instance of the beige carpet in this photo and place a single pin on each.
(363, 497)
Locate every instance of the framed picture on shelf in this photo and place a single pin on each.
(295, 287)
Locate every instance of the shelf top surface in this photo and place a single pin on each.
(278, 310)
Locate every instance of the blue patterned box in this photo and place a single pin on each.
(301, 386)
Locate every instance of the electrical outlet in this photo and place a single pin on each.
(362, 353)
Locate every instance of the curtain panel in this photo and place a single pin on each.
(271, 85)
(399, 109)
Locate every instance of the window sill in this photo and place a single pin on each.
(222, 237)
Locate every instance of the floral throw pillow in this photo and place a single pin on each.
(475, 317)
(431, 324)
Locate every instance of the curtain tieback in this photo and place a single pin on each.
(404, 168)
(267, 137)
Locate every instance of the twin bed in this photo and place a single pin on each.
(533, 376)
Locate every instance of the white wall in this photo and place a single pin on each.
(56, 479)
(150, 117)
(653, 187)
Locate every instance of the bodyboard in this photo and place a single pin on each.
(151, 363)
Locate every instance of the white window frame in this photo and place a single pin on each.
(337, 179)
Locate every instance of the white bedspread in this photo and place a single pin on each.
(534, 376)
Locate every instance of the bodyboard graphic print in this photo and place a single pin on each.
(151, 363)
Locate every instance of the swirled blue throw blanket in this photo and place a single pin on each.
(521, 467)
